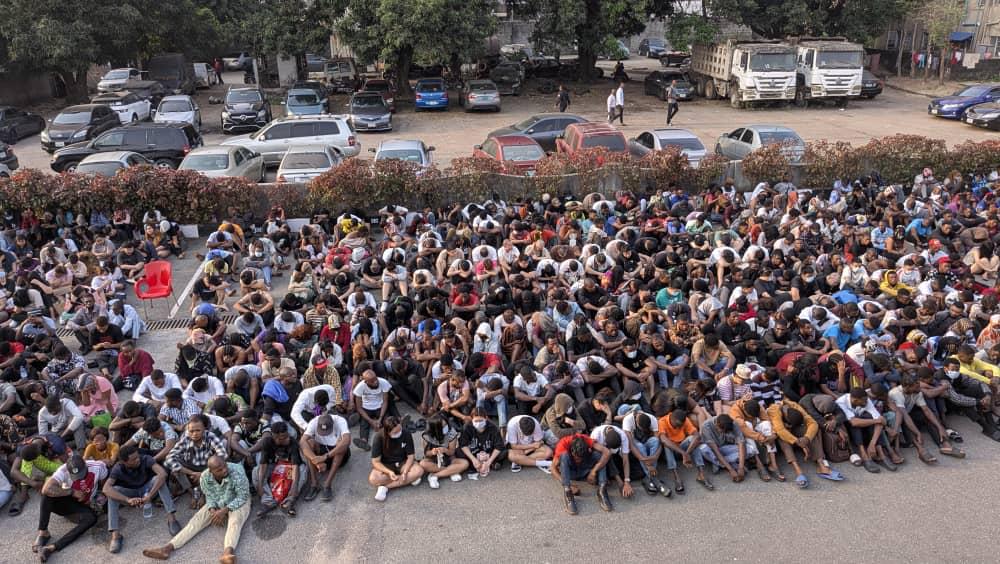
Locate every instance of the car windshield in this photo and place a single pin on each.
(109, 101)
(116, 75)
(300, 161)
(611, 142)
(772, 62)
(174, 106)
(206, 162)
(430, 87)
(377, 86)
(242, 97)
(772, 137)
(482, 87)
(973, 91)
(839, 59)
(656, 43)
(682, 144)
(521, 126)
(409, 155)
(107, 168)
(302, 98)
(522, 153)
(368, 102)
(72, 118)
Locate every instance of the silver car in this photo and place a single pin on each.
(179, 108)
(737, 144)
(305, 102)
(302, 163)
(659, 139)
(410, 150)
(225, 161)
(276, 137)
(108, 164)
(115, 79)
(480, 95)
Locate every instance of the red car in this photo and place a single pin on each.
(587, 135)
(521, 150)
(383, 87)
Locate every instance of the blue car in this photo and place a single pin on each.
(953, 107)
(431, 94)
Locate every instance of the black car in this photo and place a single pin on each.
(871, 85)
(543, 128)
(246, 109)
(165, 144)
(78, 123)
(148, 90)
(984, 115)
(17, 124)
(653, 47)
(658, 82)
(7, 156)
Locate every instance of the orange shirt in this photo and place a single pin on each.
(677, 435)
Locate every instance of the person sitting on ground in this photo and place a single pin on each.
(579, 457)
(69, 491)
(526, 442)
(100, 448)
(156, 438)
(440, 452)
(482, 445)
(188, 458)
(724, 445)
(795, 428)
(280, 476)
(326, 446)
(680, 436)
(135, 480)
(393, 461)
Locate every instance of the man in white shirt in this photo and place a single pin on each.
(371, 396)
(69, 491)
(612, 106)
(313, 402)
(620, 465)
(62, 417)
(620, 102)
(203, 390)
(152, 388)
(527, 447)
(326, 446)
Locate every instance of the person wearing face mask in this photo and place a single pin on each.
(482, 445)
(970, 397)
(393, 461)
(258, 259)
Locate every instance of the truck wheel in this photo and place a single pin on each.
(710, 91)
(800, 98)
(699, 87)
(842, 103)
(734, 98)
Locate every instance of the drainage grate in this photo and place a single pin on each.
(158, 325)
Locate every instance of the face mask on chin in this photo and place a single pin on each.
(479, 425)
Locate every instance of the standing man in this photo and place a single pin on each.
(612, 107)
(672, 107)
(217, 67)
(227, 501)
(620, 102)
(562, 98)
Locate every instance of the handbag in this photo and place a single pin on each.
(281, 481)
(835, 452)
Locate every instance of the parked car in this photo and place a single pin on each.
(658, 82)
(479, 95)
(430, 94)
(341, 74)
(508, 77)
(78, 123)
(369, 112)
(984, 115)
(239, 60)
(225, 161)
(147, 89)
(653, 47)
(7, 156)
(314, 63)
(589, 135)
(204, 76)
(16, 124)
(302, 163)
(274, 139)
(245, 107)
(383, 87)
(543, 128)
(128, 105)
(179, 108)
(521, 150)
(954, 106)
(108, 164)
(115, 79)
(618, 51)
(305, 102)
(660, 139)
(737, 144)
(165, 144)
(174, 71)
(871, 85)
(413, 151)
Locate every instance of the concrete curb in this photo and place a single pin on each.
(908, 91)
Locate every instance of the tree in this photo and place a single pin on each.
(687, 29)
(589, 24)
(940, 18)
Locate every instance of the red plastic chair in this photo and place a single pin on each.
(156, 283)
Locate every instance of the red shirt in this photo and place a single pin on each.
(562, 446)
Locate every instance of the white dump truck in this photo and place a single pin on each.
(746, 72)
(828, 68)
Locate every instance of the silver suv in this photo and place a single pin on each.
(276, 137)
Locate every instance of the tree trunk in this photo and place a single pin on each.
(928, 57)
(76, 85)
(586, 58)
(944, 53)
(404, 58)
(899, 55)
(913, 49)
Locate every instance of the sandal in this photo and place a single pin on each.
(267, 508)
(833, 475)
(928, 458)
(802, 481)
(778, 474)
(40, 541)
(764, 475)
(289, 508)
(679, 487)
(706, 483)
(953, 452)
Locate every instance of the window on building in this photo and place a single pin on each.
(892, 40)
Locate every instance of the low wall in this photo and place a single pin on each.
(25, 89)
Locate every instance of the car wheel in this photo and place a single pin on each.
(70, 167)
(165, 163)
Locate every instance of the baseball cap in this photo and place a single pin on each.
(324, 425)
(76, 467)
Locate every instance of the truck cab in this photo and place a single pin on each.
(829, 68)
(762, 72)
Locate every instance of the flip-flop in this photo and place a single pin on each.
(802, 481)
(953, 452)
(679, 488)
(705, 483)
(764, 475)
(928, 459)
(778, 474)
(834, 475)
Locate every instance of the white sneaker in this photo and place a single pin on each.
(515, 468)
(433, 481)
(456, 477)
(544, 466)
(473, 475)
(381, 493)
(416, 482)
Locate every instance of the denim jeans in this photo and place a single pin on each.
(646, 448)
(730, 452)
(570, 472)
(497, 405)
(163, 492)
(715, 367)
(671, 456)
(668, 379)
(5, 497)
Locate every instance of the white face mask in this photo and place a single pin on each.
(396, 435)
(479, 425)
(636, 397)
(953, 374)
(631, 354)
(569, 411)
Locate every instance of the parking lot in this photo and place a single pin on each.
(454, 133)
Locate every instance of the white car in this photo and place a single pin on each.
(302, 163)
(179, 108)
(115, 79)
(129, 106)
(204, 75)
(737, 144)
(225, 161)
(108, 164)
(659, 139)
(276, 137)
